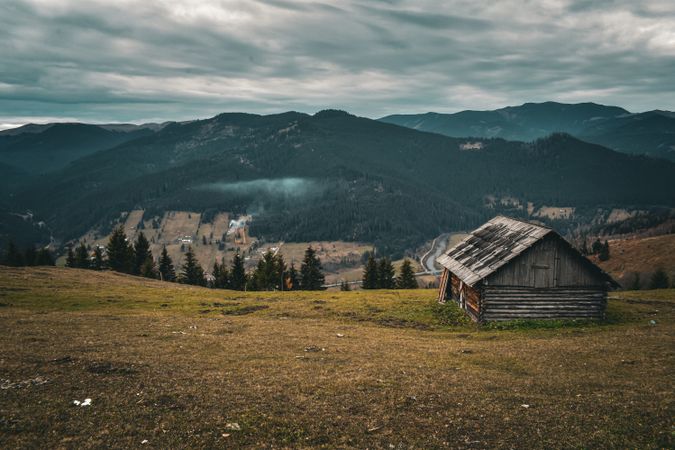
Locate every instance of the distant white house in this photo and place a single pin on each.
(185, 239)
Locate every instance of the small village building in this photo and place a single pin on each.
(512, 269)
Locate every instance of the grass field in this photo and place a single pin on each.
(171, 366)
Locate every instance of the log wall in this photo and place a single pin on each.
(511, 303)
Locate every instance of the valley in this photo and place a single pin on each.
(346, 183)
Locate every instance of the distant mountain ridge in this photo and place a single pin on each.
(651, 133)
(332, 175)
(36, 149)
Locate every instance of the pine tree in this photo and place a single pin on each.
(659, 279)
(166, 269)
(238, 274)
(603, 254)
(81, 257)
(596, 247)
(311, 275)
(149, 269)
(370, 280)
(44, 257)
(191, 271)
(406, 279)
(268, 273)
(141, 253)
(215, 272)
(70, 259)
(221, 277)
(292, 281)
(281, 271)
(120, 253)
(98, 263)
(385, 274)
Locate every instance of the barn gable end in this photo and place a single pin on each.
(549, 263)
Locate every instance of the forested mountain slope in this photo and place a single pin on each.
(336, 176)
(651, 133)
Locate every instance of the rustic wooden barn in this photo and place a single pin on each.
(511, 269)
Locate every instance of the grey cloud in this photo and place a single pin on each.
(153, 60)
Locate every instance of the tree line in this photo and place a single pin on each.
(380, 274)
(658, 280)
(135, 258)
(14, 257)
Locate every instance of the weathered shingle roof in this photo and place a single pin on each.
(491, 246)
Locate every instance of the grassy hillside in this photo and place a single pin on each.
(643, 255)
(177, 366)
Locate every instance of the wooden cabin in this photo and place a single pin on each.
(512, 269)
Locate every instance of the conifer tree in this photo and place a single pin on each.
(120, 252)
(311, 275)
(268, 272)
(252, 282)
(659, 279)
(385, 274)
(191, 271)
(149, 269)
(141, 253)
(603, 253)
(81, 257)
(370, 280)
(70, 259)
(221, 275)
(215, 272)
(281, 271)
(406, 279)
(238, 274)
(596, 247)
(292, 281)
(44, 257)
(13, 256)
(166, 269)
(97, 263)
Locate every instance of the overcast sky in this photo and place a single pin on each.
(154, 60)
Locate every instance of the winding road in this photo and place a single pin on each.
(428, 260)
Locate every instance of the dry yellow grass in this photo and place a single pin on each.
(179, 366)
(643, 255)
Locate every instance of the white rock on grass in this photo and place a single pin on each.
(233, 426)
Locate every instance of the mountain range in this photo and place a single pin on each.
(650, 133)
(304, 177)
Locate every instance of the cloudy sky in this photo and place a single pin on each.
(149, 60)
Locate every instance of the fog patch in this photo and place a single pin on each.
(268, 188)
